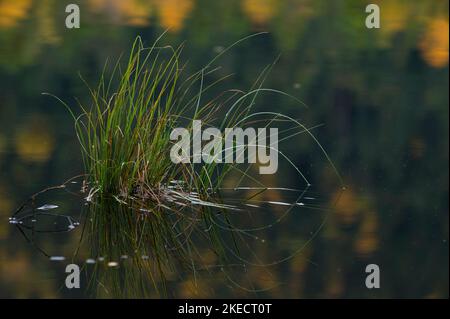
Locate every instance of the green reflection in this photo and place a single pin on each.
(381, 98)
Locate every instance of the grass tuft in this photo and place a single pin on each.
(124, 135)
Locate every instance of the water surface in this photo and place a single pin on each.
(379, 98)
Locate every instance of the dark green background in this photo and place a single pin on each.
(381, 95)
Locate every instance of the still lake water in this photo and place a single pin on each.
(379, 99)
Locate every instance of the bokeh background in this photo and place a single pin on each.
(381, 95)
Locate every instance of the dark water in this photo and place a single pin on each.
(379, 98)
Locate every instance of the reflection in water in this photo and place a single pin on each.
(6, 205)
(394, 19)
(46, 22)
(34, 142)
(289, 19)
(260, 11)
(434, 43)
(12, 11)
(348, 206)
(133, 12)
(366, 241)
(382, 97)
(173, 13)
(151, 245)
(130, 251)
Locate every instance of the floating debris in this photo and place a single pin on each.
(57, 258)
(279, 203)
(39, 221)
(113, 264)
(47, 207)
(90, 261)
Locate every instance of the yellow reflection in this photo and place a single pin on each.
(300, 262)
(434, 43)
(259, 11)
(172, 13)
(130, 12)
(262, 278)
(24, 277)
(15, 268)
(6, 207)
(335, 286)
(34, 142)
(394, 16)
(347, 206)
(46, 22)
(11, 11)
(98, 5)
(367, 240)
(193, 288)
(208, 257)
(135, 12)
